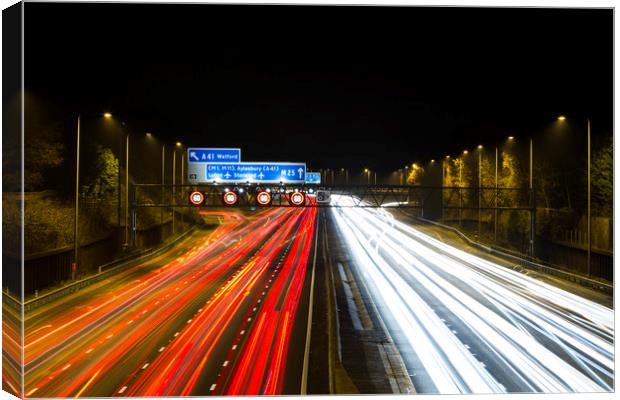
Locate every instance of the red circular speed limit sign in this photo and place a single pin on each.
(297, 198)
(230, 198)
(196, 198)
(263, 198)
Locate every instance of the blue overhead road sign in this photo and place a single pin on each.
(204, 155)
(198, 157)
(270, 172)
(313, 177)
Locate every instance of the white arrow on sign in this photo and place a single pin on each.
(193, 155)
(300, 170)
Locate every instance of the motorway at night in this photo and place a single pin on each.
(196, 319)
(279, 199)
(467, 325)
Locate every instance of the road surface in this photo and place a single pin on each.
(466, 325)
(213, 315)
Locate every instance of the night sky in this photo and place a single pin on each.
(331, 86)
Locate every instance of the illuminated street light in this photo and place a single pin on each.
(179, 144)
(465, 152)
(511, 137)
(562, 118)
(149, 135)
(76, 224)
(479, 147)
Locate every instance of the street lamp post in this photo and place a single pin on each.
(126, 191)
(532, 201)
(174, 164)
(496, 194)
(77, 202)
(589, 205)
(460, 193)
(182, 181)
(163, 180)
(461, 164)
(76, 218)
(444, 170)
(562, 118)
(479, 188)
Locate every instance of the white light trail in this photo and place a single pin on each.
(537, 338)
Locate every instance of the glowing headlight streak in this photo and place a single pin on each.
(575, 382)
(180, 367)
(81, 330)
(582, 329)
(422, 337)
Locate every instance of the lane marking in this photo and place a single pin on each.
(88, 383)
(304, 372)
(122, 390)
(145, 365)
